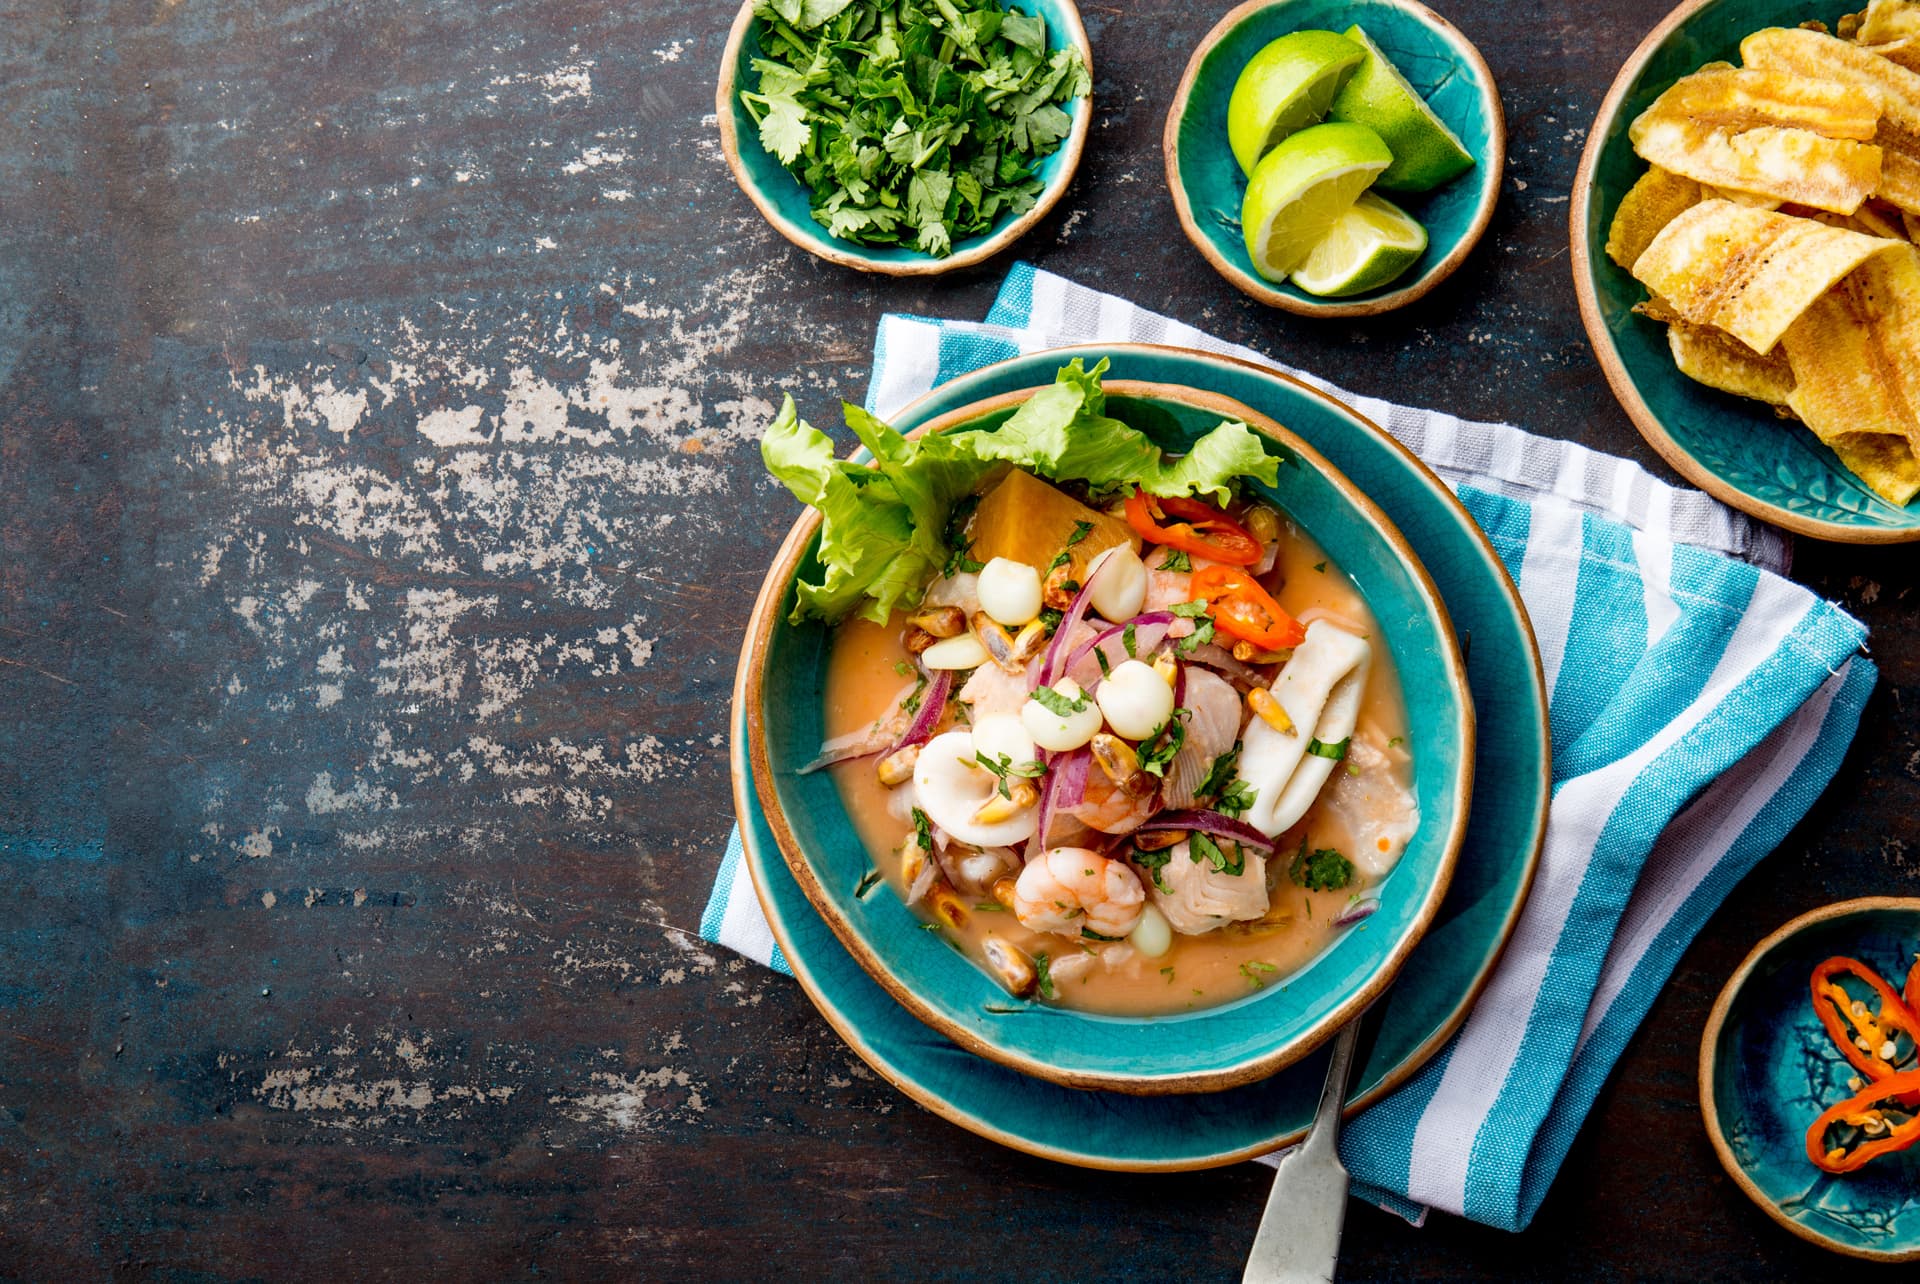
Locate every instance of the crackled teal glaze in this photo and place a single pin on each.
(791, 206)
(1776, 464)
(1489, 881)
(1434, 59)
(1772, 1069)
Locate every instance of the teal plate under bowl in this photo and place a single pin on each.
(1736, 449)
(1439, 979)
(1213, 1047)
(788, 207)
(1768, 1069)
(1436, 59)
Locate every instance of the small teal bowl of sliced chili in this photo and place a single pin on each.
(1029, 181)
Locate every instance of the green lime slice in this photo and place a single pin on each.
(1425, 152)
(1301, 189)
(1368, 246)
(1287, 86)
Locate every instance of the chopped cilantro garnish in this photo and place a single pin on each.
(1252, 970)
(1106, 666)
(1190, 610)
(1220, 773)
(1044, 975)
(1092, 935)
(1050, 619)
(922, 830)
(904, 669)
(1003, 766)
(1053, 702)
(1127, 640)
(1335, 751)
(1201, 635)
(1176, 561)
(1080, 531)
(1236, 799)
(1201, 847)
(990, 907)
(1397, 740)
(868, 882)
(1320, 567)
(1153, 863)
(1324, 870)
(1159, 750)
(912, 703)
(1168, 973)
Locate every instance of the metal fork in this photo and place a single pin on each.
(1299, 1237)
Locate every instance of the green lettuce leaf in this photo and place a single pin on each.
(883, 537)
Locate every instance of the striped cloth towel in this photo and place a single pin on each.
(1699, 704)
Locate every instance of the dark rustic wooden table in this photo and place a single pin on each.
(379, 510)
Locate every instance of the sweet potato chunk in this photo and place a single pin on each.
(1026, 519)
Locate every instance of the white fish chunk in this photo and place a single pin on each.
(1202, 897)
(1213, 724)
(1320, 689)
(1374, 807)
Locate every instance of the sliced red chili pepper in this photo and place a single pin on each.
(1852, 1024)
(1200, 529)
(1865, 1109)
(1239, 606)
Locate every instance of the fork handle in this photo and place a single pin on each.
(1299, 1237)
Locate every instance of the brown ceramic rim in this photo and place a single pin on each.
(1050, 196)
(1624, 388)
(1396, 1077)
(1711, 1036)
(1252, 285)
(1253, 1068)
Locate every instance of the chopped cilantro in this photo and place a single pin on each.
(1168, 973)
(868, 882)
(1050, 619)
(1201, 635)
(1080, 531)
(1324, 870)
(1201, 847)
(1176, 561)
(922, 830)
(990, 907)
(1053, 702)
(1220, 774)
(1153, 863)
(1397, 740)
(916, 123)
(1159, 750)
(904, 669)
(1092, 935)
(1190, 610)
(1044, 974)
(1128, 640)
(1335, 751)
(1106, 666)
(1003, 766)
(912, 703)
(1320, 567)
(1236, 799)
(1252, 970)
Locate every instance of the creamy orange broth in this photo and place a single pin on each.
(1199, 971)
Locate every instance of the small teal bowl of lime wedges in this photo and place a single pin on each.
(1335, 157)
(866, 135)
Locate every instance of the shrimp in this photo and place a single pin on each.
(1109, 808)
(1070, 888)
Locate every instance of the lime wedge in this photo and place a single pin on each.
(1301, 189)
(1425, 152)
(1368, 246)
(1287, 86)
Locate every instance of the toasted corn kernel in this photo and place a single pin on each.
(1887, 1050)
(1261, 701)
(1010, 964)
(897, 767)
(1855, 1083)
(996, 809)
(918, 640)
(1115, 756)
(998, 642)
(1003, 891)
(1029, 641)
(946, 905)
(941, 621)
(1059, 590)
(1167, 667)
(1262, 523)
(1159, 840)
(1248, 653)
(913, 859)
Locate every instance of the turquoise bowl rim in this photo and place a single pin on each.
(1402, 1032)
(1214, 1048)
(756, 172)
(1486, 175)
(1717, 1032)
(1587, 233)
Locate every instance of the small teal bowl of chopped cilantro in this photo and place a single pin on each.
(909, 138)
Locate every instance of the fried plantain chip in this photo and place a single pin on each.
(1721, 361)
(1649, 205)
(1736, 100)
(1750, 272)
(1785, 164)
(1883, 464)
(1875, 220)
(1881, 21)
(1855, 352)
(1808, 53)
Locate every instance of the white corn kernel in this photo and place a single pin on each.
(1121, 589)
(1136, 701)
(1060, 732)
(1009, 591)
(1152, 935)
(962, 652)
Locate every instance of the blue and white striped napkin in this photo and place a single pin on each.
(1699, 701)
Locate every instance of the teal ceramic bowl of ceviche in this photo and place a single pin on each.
(1113, 731)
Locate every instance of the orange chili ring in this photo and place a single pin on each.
(1858, 1110)
(1202, 529)
(1837, 1012)
(1240, 607)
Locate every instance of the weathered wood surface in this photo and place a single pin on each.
(378, 515)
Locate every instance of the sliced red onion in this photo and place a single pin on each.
(1148, 630)
(1221, 660)
(1055, 663)
(1065, 786)
(1211, 822)
(933, 703)
(1355, 912)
